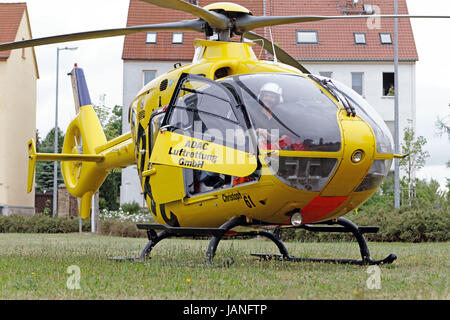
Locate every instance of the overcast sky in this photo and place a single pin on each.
(102, 63)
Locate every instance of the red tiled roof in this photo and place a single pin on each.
(336, 37)
(10, 16)
(141, 13)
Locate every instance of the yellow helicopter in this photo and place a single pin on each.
(232, 141)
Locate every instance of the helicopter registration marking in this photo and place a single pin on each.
(174, 149)
(232, 196)
(237, 196)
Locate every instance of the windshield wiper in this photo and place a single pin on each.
(336, 93)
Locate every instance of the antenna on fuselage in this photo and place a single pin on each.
(273, 46)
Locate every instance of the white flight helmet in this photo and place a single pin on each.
(273, 88)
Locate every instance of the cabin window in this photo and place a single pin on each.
(155, 123)
(206, 111)
(309, 174)
(378, 171)
(209, 111)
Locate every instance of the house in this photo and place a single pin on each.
(358, 53)
(18, 76)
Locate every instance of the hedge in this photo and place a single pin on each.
(408, 224)
(40, 223)
(405, 225)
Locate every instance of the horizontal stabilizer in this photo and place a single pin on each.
(33, 156)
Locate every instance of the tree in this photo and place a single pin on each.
(112, 125)
(443, 126)
(413, 147)
(44, 170)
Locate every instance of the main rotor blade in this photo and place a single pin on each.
(247, 22)
(281, 55)
(214, 19)
(192, 25)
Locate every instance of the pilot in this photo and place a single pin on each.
(268, 126)
(270, 96)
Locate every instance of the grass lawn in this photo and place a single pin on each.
(35, 266)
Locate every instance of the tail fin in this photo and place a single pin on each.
(80, 90)
(86, 157)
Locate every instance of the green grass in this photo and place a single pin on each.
(34, 266)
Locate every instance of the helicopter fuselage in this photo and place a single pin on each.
(320, 177)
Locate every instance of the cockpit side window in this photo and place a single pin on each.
(206, 98)
(208, 111)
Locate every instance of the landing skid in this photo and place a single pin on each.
(345, 226)
(217, 234)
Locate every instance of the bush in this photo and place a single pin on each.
(410, 224)
(40, 223)
(131, 208)
(112, 227)
(123, 223)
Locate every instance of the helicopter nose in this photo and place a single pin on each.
(358, 153)
(357, 156)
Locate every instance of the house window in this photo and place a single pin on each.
(357, 82)
(307, 37)
(149, 75)
(385, 38)
(388, 84)
(177, 37)
(360, 38)
(151, 37)
(326, 74)
(391, 126)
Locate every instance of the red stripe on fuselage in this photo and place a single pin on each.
(320, 207)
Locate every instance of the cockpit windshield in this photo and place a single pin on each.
(289, 112)
(367, 112)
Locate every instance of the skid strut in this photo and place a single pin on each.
(216, 234)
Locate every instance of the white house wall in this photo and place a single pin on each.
(18, 75)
